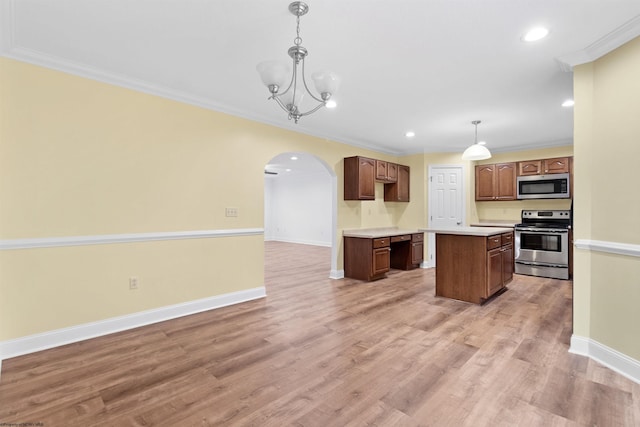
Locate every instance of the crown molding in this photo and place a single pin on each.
(616, 38)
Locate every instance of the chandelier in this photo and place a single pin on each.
(275, 75)
(477, 151)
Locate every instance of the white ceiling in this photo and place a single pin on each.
(431, 66)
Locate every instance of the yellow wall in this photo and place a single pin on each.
(607, 200)
(84, 158)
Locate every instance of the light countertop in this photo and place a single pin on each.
(469, 231)
(375, 233)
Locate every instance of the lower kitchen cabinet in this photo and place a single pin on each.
(369, 259)
(366, 259)
(473, 268)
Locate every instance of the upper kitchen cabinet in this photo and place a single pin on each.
(544, 166)
(386, 171)
(361, 174)
(398, 191)
(359, 178)
(496, 182)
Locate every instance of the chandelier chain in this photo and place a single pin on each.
(298, 40)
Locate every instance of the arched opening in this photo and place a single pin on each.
(300, 192)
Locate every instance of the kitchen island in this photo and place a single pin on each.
(472, 263)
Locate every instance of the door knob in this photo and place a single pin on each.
(459, 222)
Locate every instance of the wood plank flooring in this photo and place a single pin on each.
(322, 352)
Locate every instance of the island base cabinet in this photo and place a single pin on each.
(461, 267)
(473, 268)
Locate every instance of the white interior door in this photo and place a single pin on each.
(446, 202)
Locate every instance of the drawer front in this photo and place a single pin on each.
(381, 243)
(402, 238)
(507, 238)
(494, 242)
(419, 237)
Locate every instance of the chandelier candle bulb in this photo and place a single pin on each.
(274, 75)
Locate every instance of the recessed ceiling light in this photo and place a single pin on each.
(288, 170)
(535, 34)
(568, 103)
(331, 104)
(410, 134)
(294, 158)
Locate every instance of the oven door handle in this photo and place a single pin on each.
(541, 264)
(543, 230)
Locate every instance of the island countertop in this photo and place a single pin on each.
(375, 233)
(469, 231)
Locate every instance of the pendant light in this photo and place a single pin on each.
(476, 151)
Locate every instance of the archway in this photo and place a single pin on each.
(301, 202)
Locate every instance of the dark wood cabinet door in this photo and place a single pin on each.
(507, 264)
(417, 252)
(494, 271)
(366, 187)
(557, 165)
(381, 261)
(381, 170)
(392, 172)
(530, 167)
(359, 178)
(485, 176)
(505, 181)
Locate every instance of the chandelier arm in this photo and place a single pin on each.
(293, 77)
(304, 80)
(319, 106)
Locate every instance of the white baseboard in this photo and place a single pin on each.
(336, 274)
(612, 359)
(299, 241)
(58, 337)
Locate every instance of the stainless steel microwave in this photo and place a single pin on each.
(554, 186)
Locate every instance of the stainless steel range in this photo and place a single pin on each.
(542, 243)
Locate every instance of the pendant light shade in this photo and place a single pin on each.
(476, 151)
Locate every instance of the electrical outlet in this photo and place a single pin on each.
(133, 283)
(232, 212)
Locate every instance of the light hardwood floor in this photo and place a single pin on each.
(322, 352)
